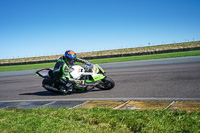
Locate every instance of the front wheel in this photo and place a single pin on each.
(106, 84)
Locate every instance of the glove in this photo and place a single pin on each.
(80, 82)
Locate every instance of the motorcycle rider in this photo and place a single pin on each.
(62, 69)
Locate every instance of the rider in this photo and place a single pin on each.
(62, 69)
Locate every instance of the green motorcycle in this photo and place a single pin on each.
(85, 81)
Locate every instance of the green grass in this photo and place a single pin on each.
(26, 67)
(105, 60)
(147, 57)
(97, 120)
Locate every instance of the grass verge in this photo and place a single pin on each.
(157, 48)
(97, 120)
(105, 60)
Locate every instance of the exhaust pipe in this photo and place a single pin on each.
(50, 88)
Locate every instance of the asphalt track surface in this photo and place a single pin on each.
(158, 79)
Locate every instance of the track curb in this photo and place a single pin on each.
(188, 106)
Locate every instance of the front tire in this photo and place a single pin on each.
(106, 84)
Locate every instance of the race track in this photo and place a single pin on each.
(161, 79)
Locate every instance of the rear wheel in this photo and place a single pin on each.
(106, 84)
(49, 83)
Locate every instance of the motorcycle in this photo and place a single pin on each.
(85, 80)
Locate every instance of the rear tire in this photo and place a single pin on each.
(49, 82)
(107, 84)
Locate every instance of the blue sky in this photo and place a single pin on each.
(47, 27)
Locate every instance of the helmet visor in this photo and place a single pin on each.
(70, 61)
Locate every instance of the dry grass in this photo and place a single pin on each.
(111, 52)
(143, 49)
